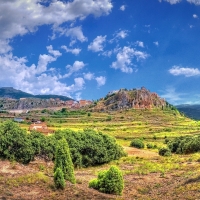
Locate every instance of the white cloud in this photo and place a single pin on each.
(15, 72)
(78, 65)
(156, 43)
(140, 44)
(27, 16)
(122, 8)
(55, 53)
(172, 96)
(195, 16)
(101, 80)
(196, 2)
(88, 76)
(172, 1)
(74, 51)
(4, 46)
(186, 71)
(75, 33)
(124, 59)
(120, 34)
(97, 44)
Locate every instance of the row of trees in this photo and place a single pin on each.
(87, 148)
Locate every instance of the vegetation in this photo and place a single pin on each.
(185, 145)
(89, 148)
(164, 151)
(14, 143)
(138, 143)
(63, 161)
(109, 181)
(59, 179)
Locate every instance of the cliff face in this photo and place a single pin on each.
(138, 99)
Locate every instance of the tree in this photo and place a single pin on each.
(14, 143)
(109, 181)
(59, 179)
(63, 160)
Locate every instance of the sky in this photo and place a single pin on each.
(84, 49)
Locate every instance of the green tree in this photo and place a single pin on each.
(14, 143)
(59, 179)
(109, 181)
(63, 160)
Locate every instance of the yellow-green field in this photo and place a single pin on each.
(146, 174)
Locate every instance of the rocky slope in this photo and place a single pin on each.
(136, 98)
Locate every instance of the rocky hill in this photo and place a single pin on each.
(10, 92)
(135, 98)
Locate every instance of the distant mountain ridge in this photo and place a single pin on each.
(10, 92)
(192, 111)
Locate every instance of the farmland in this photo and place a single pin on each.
(146, 174)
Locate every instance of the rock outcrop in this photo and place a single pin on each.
(136, 98)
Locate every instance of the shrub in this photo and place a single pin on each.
(14, 143)
(137, 143)
(164, 151)
(89, 148)
(150, 146)
(63, 161)
(110, 181)
(185, 145)
(59, 179)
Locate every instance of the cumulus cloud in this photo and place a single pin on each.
(5, 47)
(195, 16)
(27, 16)
(88, 76)
(78, 65)
(101, 80)
(124, 59)
(139, 43)
(34, 79)
(185, 71)
(122, 8)
(196, 2)
(74, 33)
(156, 43)
(172, 1)
(120, 34)
(74, 51)
(97, 44)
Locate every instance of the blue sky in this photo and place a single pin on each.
(85, 48)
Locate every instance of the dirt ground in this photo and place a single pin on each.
(35, 182)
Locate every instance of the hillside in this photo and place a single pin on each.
(192, 111)
(135, 98)
(10, 92)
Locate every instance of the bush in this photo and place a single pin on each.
(59, 179)
(14, 143)
(164, 151)
(63, 161)
(137, 143)
(89, 148)
(150, 146)
(185, 145)
(110, 181)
